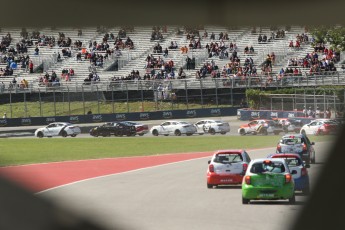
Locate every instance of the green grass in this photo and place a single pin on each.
(23, 151)
(35, 109)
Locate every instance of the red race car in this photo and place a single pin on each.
(260, 126)
(227, 167)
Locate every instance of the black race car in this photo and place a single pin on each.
(114, 128)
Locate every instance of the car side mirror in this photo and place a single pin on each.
(208, 162)
(307, 166)
(293, 172)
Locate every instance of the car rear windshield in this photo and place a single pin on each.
(292, 161)
(228, 158)
(291, 141)
(274, 167)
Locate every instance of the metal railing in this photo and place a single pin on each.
(176, 94)
(258, 81)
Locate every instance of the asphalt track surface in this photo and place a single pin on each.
(174, 196)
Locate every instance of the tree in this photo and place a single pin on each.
(256, 98)
(335, 36)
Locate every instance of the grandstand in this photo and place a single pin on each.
(119, 63)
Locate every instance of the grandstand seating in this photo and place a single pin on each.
(134, 59)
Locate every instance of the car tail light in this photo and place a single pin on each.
(245, 166)
(304, 147)
(304, 172)
(211, 168)
(288, 178)
(279, 148)
(247, 179)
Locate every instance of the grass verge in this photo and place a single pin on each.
(23, 151)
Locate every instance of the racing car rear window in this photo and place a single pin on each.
(274, 167)
(291, 141)
(228, 158)
(291, 161)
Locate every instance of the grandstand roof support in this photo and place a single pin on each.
(186, 90)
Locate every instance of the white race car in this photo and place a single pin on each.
(212, 127)
(173, 128)
(320, 127)
(63, 129)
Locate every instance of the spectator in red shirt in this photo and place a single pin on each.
(295, 72)
(31, 66)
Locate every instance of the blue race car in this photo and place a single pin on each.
(301, 177)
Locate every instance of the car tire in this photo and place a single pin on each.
(40, 135)
(245, 201)
(264, 132)
(292, 200)
(73, 135)
(64, 134)
(141, 134)
(209, 185)
(242, 132)
(166, 135)
(155, 132)
(177, 132)
(223, 133)
(212, 131)
(321, 133)
(201, 133)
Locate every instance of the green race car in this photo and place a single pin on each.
(268, 179)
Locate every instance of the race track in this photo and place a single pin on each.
(175, 196)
